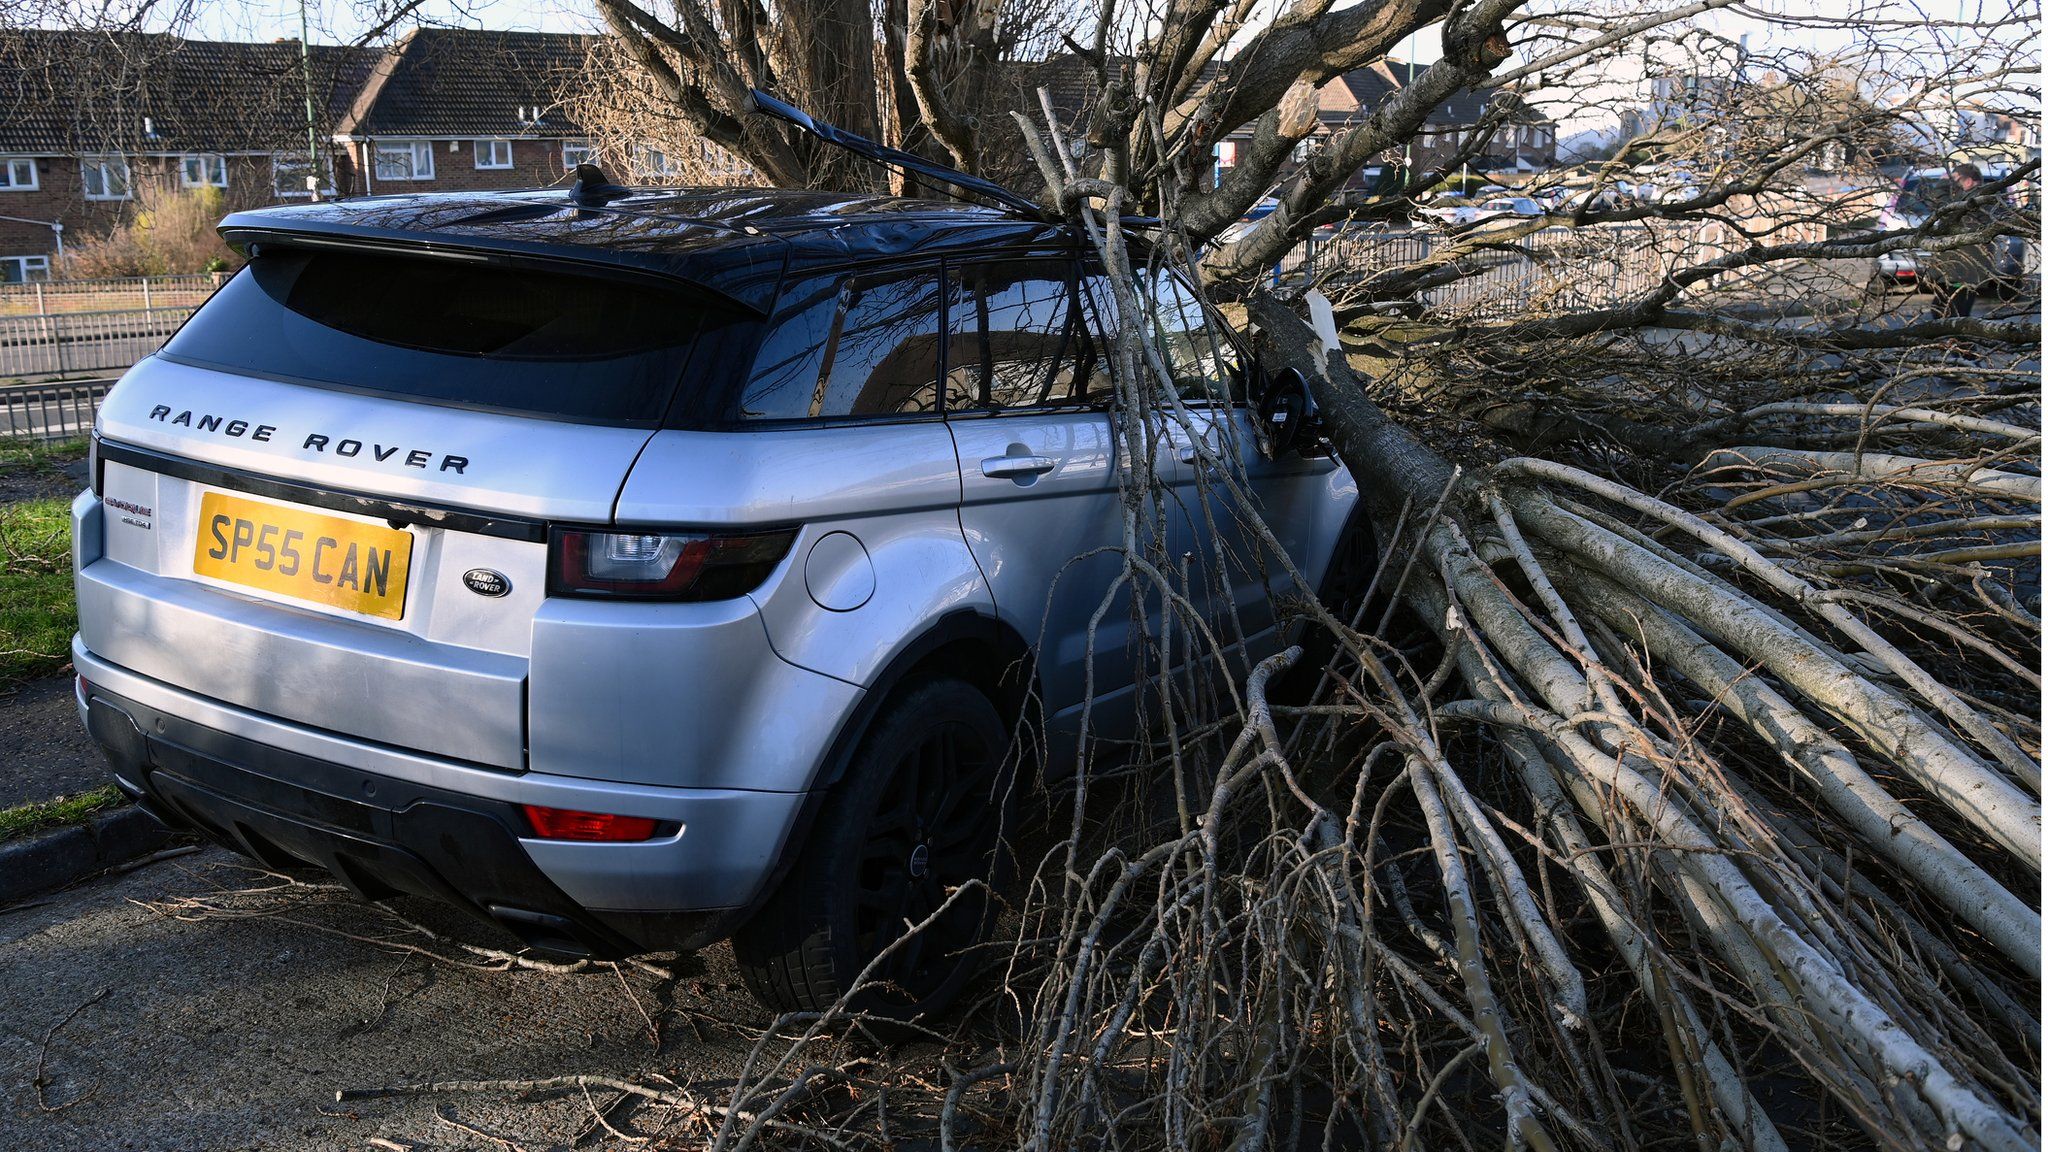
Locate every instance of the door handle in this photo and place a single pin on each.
(1017, 467)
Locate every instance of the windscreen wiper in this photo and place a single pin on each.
(911, 165)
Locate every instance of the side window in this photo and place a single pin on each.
(885, 350)
(1204, 365)
(849, 347)
(792, 356)
(1098, 331)
(1012, 340)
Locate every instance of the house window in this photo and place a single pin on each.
(18, 175)
(1226, 154)
(405, 160)
(105, 178)
(577, 152)
(289, 172)
(203, 171)
(22, 269)
(652, 164)
(494, 154)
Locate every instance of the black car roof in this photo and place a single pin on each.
(736, 241)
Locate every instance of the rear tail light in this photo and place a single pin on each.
(567, 824)
(92, 463)
(662, 565)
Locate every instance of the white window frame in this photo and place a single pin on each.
(11, 169)
(105, 166)
(583, 146)
(485, 153)
(294, 163)
(23, 266)
(212, 168)
(418, 154)
(650, 163)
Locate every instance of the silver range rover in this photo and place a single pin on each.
(640, 569)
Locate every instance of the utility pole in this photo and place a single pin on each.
(1408, 145)
(312, 132)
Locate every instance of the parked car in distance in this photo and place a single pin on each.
(1249, 220)
(1565, 200)
(1664, 183)
(1463, 216)
(639, 568)
(1919, 193)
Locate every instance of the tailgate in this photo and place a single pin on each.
(355, 563)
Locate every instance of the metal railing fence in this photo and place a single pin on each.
(68, 343)
(50, 411)
(133, 293)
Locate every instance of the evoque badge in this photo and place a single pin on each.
(485, 582)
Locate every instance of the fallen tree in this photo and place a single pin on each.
(1672, 780)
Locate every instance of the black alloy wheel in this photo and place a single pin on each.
(921, 811)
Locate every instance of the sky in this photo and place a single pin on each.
(336, 19)
(332, 20)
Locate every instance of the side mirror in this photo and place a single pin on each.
(1285, 409)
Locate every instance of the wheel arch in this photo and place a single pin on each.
(975, 646)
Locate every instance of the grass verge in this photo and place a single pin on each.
(37, 612)
(26, 818)
(39, 455)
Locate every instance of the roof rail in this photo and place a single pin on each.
(987, 191)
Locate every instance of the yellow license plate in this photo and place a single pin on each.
(303, 555)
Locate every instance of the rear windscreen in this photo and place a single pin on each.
(453, 331)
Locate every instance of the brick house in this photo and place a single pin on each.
(1524, 141)
(88, 121)
(449, 109)
(1343, 100)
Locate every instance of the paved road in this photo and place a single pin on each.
(233, 1030)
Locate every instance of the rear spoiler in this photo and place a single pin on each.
(748, 273)
(987, 191)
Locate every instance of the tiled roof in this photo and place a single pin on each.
(1069, 81)
(1368, 87)
(463, 82)
(69, 92)
(1468, 106)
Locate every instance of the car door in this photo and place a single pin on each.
(1027, 390)
(1240, 576)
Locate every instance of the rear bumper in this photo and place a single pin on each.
(384, 821)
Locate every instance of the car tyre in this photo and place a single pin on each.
(922, 808)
